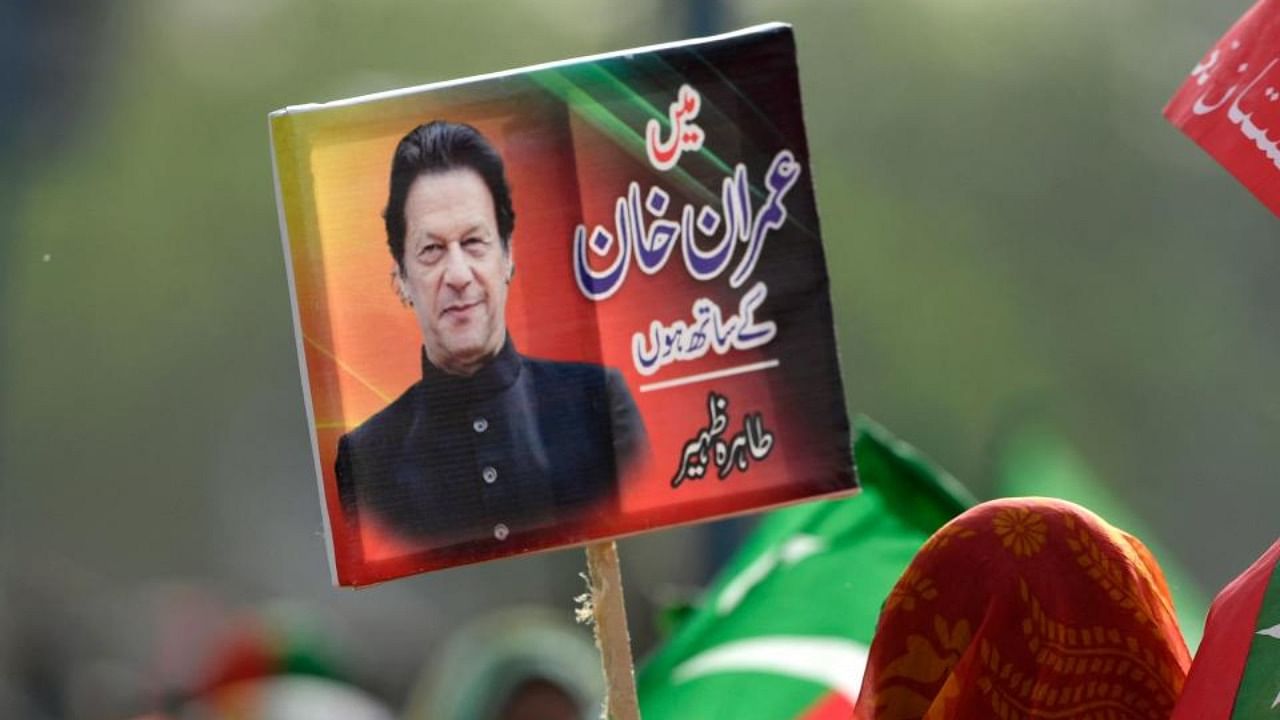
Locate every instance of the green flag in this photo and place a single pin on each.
(1236, 673)
(784, 630)
(1259, 694)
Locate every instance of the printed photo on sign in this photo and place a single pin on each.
(558, 305)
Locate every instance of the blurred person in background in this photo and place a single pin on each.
(276, 662)
(523, 663)
(1026, 607)
(286, 697)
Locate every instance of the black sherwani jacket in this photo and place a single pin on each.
(520, 445)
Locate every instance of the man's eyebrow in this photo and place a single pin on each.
(473, 230)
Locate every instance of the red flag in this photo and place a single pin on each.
(832, 706)
(1213, 687)
(1229, 104)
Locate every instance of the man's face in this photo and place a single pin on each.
(455, 269)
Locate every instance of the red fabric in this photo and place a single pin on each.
(832, 706)
(1210, 692)
(1026, 608)
(1230, 104)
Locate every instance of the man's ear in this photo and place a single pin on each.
(397, 281)
(511, 263)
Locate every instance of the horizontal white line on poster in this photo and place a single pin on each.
(739, 370)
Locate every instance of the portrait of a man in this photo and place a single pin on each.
(489, 443)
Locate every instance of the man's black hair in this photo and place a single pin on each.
(437, 147)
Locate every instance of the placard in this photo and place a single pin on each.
(560, 304)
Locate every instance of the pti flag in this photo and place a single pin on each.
(1236, 673)
(1229, 103)
(784, 630)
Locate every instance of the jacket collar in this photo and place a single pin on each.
(494, 377)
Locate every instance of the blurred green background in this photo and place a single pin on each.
(1014, 235)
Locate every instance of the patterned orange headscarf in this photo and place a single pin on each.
(1026, 608)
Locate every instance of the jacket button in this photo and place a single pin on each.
(490, 475)
(500, 531)
(480, 425)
